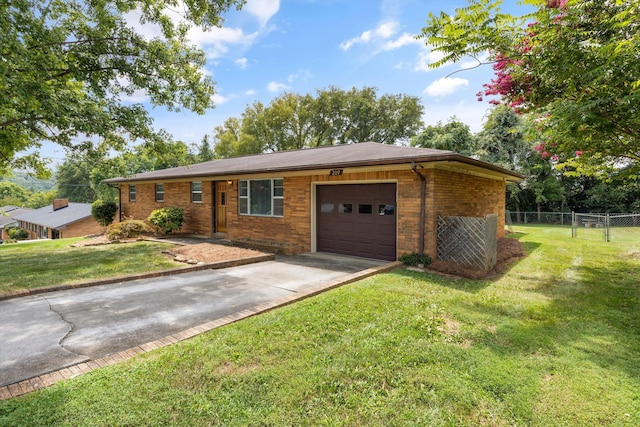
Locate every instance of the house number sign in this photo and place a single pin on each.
(335, 172)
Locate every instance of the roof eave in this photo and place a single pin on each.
(448, 157)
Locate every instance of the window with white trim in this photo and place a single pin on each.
(159, 192)
(196, 192)
(132, 193)
(261, 197)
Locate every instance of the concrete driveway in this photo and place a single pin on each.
(47, 332)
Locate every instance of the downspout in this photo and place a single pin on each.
(119, 200)
(423, 198)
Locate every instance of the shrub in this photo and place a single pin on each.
(167, 220)
(414, 259)
(128, 229)
(103, 212)
(17, 233)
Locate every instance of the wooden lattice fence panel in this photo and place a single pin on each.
(468, 241)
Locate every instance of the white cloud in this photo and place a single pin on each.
(275, 87)
(262, 9)
(220, 99)
(216, 41)
(404, 40)
(445, 86)
(426, 57)
(382, 32)
(242, 62)
(303, 75)
(250, 92)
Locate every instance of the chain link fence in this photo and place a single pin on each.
(593, 226)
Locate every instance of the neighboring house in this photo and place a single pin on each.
(7, 220)
(369, 199)
(59, 220)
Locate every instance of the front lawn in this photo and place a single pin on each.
(553, 342)
(53, 262)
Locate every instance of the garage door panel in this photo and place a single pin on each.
(364, 231)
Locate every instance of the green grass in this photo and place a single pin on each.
(54, 262)
(553, 342)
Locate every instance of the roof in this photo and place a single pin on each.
(328, 157)
(47, 217)
(7, 214)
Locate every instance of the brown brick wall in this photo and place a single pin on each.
(81, 228)
(448, 194)
(456, 194)
(293, 228)
(198, 217)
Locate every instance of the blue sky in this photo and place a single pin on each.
(300, 46)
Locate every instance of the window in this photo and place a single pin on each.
(263, 197)
(345, 208)
(159, 192)
(365, 209)
(132, 193)
(386, 209)
(196, 192)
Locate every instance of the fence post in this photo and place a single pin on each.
(574, 227)
(607, 224)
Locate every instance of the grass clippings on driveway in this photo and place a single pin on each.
(552, 342)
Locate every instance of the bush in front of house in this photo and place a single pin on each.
(167, 220)
(17, 233)
(128, 229)
(104, 211)
(414, 259)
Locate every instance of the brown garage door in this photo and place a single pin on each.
(357, 219)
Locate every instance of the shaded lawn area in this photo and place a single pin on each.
(553, 342)
(54, 262)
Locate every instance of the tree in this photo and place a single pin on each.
(13, 194)
(104, 212)
(572, 64)
(205, 151)
(73, 178)
(334, 116)
(454, 136)
(68, 63)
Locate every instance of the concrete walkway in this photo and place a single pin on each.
(62, 334)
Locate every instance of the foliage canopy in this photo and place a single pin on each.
(68, 65)
(574, 65)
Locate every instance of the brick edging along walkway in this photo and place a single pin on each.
(45, 380)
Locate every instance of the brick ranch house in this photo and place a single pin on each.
(370, 200)
(60, 219)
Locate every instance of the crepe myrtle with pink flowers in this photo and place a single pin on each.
(572, 66)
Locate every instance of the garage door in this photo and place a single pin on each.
(357, 219)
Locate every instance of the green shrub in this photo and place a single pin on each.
(167, 220)
(128, 229)
(414, 259)
(103, 212)
(18, 233)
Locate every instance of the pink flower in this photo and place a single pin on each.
(578, 153)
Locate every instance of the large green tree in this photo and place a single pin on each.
(333, 116)
(453, 135)
(65, 66)
(573, 64)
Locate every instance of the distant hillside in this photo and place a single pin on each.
(35, 185)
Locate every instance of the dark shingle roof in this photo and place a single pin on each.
(47, 217)
(334, 156)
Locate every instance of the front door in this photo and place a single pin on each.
(221, 207)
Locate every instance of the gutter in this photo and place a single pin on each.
(423, 198)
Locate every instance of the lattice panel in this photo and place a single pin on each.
(468, 241)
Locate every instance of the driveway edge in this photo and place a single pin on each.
(48, 379)
(199, 267)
